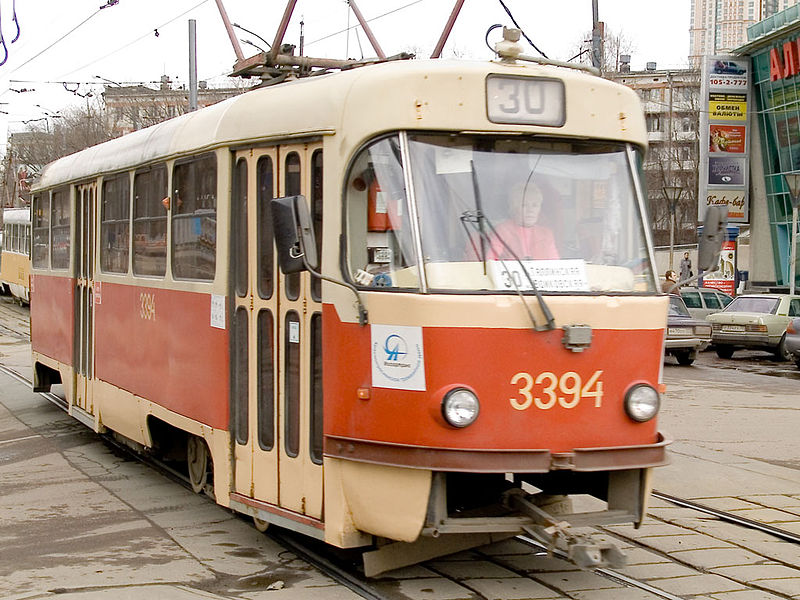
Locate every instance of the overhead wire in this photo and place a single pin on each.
(513, 20)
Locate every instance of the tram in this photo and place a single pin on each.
(15, 255)
(401, 375)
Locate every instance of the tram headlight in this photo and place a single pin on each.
(460, 407)
(642, 403)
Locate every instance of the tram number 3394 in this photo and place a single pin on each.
(548, 389)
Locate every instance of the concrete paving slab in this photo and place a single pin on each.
(440, 589)
(699, 584)
(573, 581)
(718, 557)
(511, 589)
(688, 541)
(746, 595)
(473, 569)
(753, 573)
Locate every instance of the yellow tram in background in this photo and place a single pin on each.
(15, 264)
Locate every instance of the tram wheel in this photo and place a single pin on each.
(262, 526)
(197, 463)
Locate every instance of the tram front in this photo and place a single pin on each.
(511, 353)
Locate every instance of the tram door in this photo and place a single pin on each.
(276, 328)
(83, 336)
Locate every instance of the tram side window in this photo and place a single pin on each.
(194, 218)
(115, 224)
(316, 215)
(292, 187)
(264, 174)
(239, 223)
(41, 231)
(379, 243)
(150, 221)
(60, 218)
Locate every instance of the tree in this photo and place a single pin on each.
(615, 45)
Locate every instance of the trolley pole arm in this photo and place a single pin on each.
(366, 28)
(437, 52)
(284, 25)
(237, 49)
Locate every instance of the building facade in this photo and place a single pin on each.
(670, 101)
(719, 26)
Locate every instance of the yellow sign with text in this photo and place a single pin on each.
(727, 107)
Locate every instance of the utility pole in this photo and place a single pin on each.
(597, 38)
(192, 65)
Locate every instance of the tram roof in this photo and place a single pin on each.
(411, 95)
(17, 215)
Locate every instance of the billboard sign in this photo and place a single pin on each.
(725, 137)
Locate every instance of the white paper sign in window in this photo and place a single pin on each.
(218, 311)
(548, 275)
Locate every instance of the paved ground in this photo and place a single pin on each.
(79, 522)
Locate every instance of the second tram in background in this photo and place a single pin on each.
(15, 264)
(487, 339)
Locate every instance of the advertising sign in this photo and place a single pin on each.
(724, 278)
(725, 140)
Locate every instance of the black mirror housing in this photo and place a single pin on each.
(294, 235)
(715, 224)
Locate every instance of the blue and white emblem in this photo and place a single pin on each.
(398, 358)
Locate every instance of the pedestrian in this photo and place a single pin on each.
(670, 279)
(686, 267)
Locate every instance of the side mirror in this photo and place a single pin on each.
(714, 226)
(294, 235)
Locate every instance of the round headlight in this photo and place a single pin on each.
(642, 403)
(460, 407)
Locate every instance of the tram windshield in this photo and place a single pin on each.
(497, 214)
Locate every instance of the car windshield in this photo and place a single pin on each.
(677, 308)
(496, 213)
(753, 304)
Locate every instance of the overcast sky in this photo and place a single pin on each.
(76, 42)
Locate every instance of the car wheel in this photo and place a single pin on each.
(724, 351)
(685, 357)
(797, 361)
(781, 352)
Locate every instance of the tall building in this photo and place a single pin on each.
(719, 26)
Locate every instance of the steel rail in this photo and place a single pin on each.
(607, 573)
(729, 517)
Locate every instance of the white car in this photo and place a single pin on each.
(754, 321)
(702, 302)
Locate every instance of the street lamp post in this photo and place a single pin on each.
(793, 183)
(672, 193)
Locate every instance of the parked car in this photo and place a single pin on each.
(754, 321)
(702, 302)
(685, 334)
(792, 341)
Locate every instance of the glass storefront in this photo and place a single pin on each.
(775, 54)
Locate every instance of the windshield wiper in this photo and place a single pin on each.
(480, 221)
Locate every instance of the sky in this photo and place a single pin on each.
(67, 51)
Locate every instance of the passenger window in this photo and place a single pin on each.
(264, 186)
(41, 231)
(194, 219)
(316, 216)
(150, 221)
(60, 220)
(711, 300)
(239, 218)
(724, 299)
(115, 224)
(794, 308)
(239, 375)
(266, 382)
(380, 249)
(292, 187)
(316, 388)
(292, 384)
(692, 299)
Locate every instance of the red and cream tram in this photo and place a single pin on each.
(443, 382)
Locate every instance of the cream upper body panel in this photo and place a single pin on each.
(359, 104)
